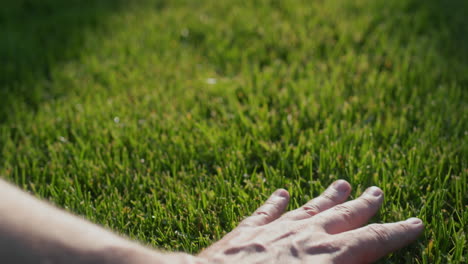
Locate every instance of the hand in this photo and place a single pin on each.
(324, 230)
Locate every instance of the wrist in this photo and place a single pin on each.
(136, 254)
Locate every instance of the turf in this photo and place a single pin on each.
(169, 121)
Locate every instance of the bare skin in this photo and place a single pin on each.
(325, 230)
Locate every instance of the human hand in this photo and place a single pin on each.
(325, 230)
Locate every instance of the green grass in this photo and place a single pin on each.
(169, 121)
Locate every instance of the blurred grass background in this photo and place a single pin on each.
(169, 121)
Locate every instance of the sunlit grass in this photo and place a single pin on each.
(169, 122)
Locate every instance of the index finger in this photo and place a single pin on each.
(270, 210)
(374, 241)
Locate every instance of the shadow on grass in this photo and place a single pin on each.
(447, 25)
(39, 35)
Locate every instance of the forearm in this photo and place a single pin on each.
(32, 231)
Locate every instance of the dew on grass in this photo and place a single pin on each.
(203, 18)
(211, 81)
(180, 234)
(185, 32)
(79, 107)
(289, 119)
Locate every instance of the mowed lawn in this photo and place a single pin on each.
(169, 121)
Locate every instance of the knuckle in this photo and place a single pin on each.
(269, 202)
(323, 247)
(404, 228)
(245, 223)
(329, 195)
(254, 247)
(251, 221)
(311, 209)
(267, 209)
(263, 213)
(368, 202)
(345, 211)
(380, 233)
(259, 217)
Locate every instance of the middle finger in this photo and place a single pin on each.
(352, 214)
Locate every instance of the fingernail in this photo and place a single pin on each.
(281, 193)
(414, 221)
(341, 186)
(375, 191)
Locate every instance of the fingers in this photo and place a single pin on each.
(352, 214)
(335, 194)
(377, 240)
(270, 211)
